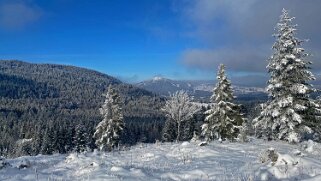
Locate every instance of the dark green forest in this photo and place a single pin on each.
(41, 105)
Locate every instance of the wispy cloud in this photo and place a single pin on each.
(239, 33)
(237, 60)
(16, 15)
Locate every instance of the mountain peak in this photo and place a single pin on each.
(158, 78)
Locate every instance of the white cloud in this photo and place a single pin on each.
(17, 15)
(237, 60)
(239, 33)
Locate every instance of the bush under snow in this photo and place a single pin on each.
(3, 163)
(311, 147)
(269, 155)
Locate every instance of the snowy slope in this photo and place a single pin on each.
(175, 161)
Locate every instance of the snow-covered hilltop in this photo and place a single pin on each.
(158, 78)
(198, 88)
(175, 161)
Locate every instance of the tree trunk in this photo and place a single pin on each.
(178, 131)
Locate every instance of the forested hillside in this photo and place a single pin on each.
(41, 105)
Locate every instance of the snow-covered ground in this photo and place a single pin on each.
(175, 161)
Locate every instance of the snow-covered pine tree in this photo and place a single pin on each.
(47, 147)
(81, 139)
(314, 117)
(188, 129)
(290, 113)
(179, 108)
(109, 130)
(169, 133)
(223, 120)
(37, 140)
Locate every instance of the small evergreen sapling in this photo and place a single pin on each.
(110, 129)
(81, 139)
(223, 120)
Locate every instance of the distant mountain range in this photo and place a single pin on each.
(200, 89)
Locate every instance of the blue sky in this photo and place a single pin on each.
(136, 40)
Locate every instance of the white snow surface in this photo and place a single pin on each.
(175, 161)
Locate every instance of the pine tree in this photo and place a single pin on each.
(169, 132)
(109, 130)
(37, 140)
(81, 140)
(47, 147)
(290, 113)
(179, 109)
(223, 119)
(188, 129)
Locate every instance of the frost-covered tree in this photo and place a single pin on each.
(290, 113)
(179, 108)
(223, 120)
(109, 130)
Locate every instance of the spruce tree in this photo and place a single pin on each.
(81, 140)
(169, 132)
(289, 114)
(109, 130)
(223, 120)
(37, 140)
(47, 146)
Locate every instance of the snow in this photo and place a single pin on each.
(301, 89)
(175, 161)
(293, 137)
(21, 141)
(158, 78)
(312, 147)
